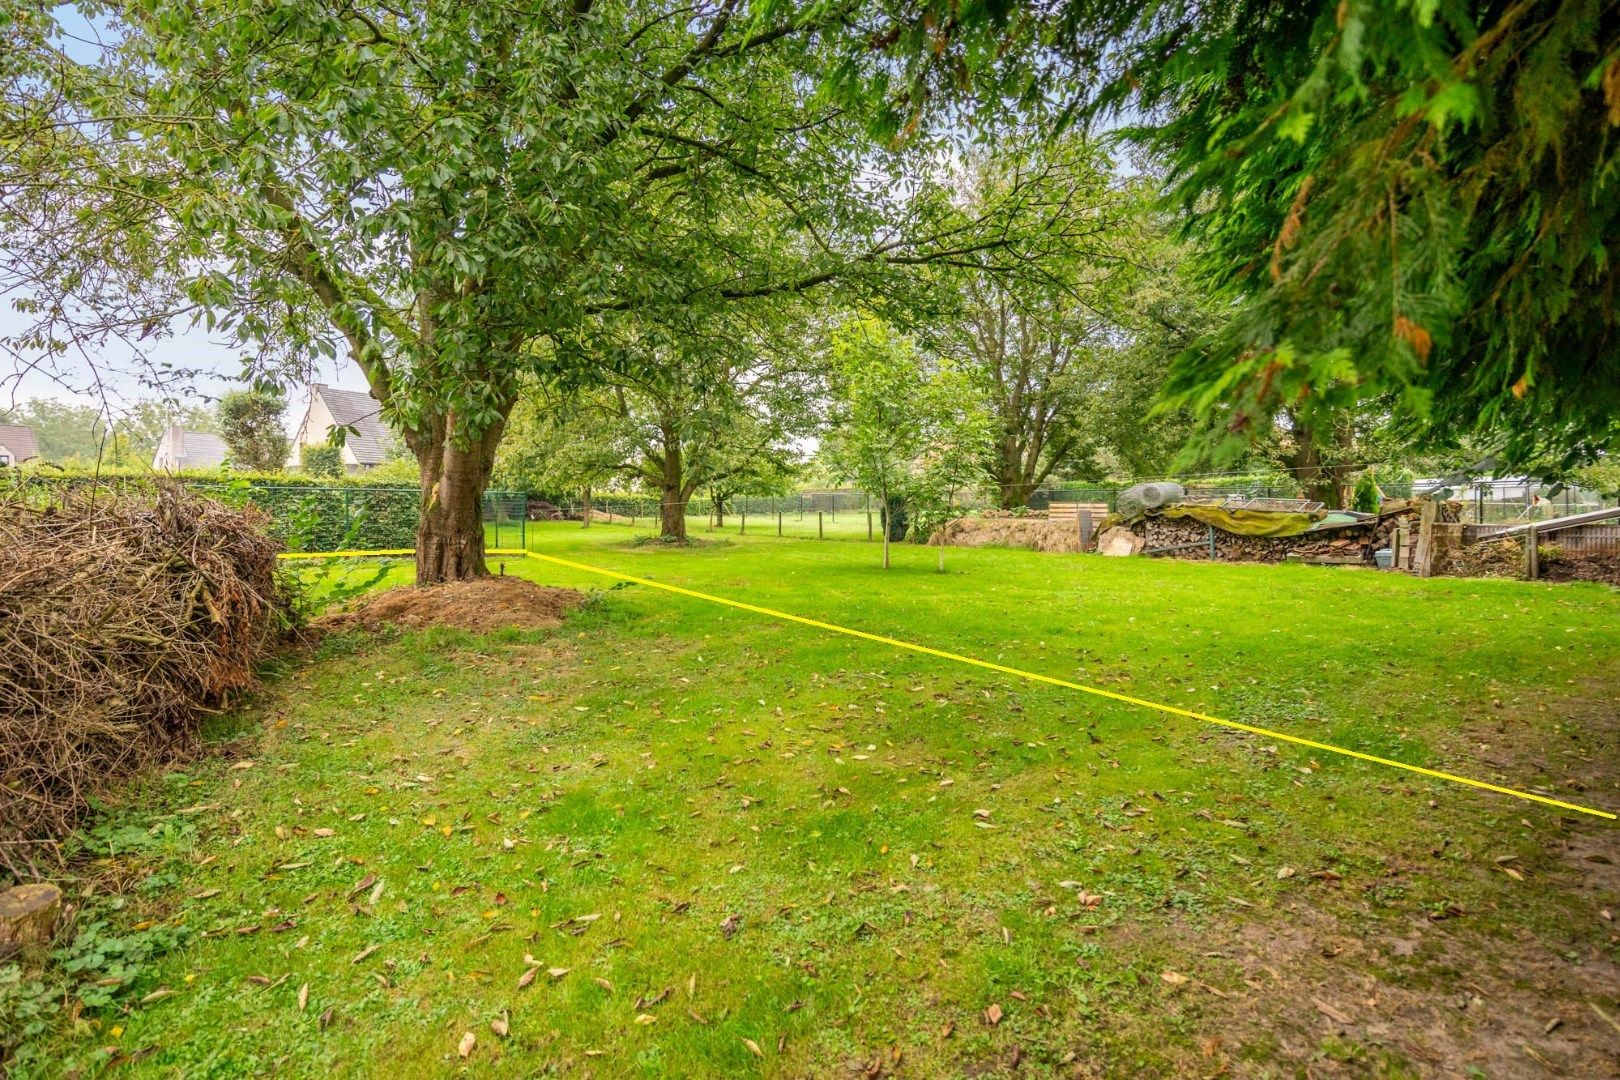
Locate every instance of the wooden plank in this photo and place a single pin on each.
(1070, 511)
(1423, 561)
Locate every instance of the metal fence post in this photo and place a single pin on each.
(778, 521)
(820, 532)
(742, 516)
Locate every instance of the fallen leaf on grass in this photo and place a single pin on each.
(646, 1018)
(753, 1048)
(468, 1041)
(326, 1019)
(1330, 1012)
(992, 1015)
(1172, 978)
(501, 1025)
(365, 952)
(157, 995)
(527, 977)
(303, 997)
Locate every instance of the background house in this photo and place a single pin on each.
(182, 449)
(368, 442)
(17, 444)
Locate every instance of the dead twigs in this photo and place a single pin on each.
(123, 620)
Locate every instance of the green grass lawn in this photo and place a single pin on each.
(677, 839)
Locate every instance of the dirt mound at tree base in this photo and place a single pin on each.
(479, 606)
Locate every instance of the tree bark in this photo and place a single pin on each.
(672, 514)
(1322, 482)
(719, 511)
(450, 532)
(585, 504)
(28, 920)
(672, 477)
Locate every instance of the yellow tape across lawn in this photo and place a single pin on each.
(896, 643)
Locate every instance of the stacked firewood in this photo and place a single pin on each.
(1351, 543)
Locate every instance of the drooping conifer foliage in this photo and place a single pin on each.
(1417, 201)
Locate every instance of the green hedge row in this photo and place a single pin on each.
(306, 513)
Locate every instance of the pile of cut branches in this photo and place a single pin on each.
(124, 619)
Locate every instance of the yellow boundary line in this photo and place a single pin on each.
(1003, 669)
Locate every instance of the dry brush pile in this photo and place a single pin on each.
(123, 621)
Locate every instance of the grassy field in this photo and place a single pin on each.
(676, 839)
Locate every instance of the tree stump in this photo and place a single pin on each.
(28, 917)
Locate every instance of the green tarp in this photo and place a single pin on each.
(1247, 522)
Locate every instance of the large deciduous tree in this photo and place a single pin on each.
(714, 412)
(454, 196)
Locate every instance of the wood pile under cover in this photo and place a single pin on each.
(1357, 542)
(123, 621)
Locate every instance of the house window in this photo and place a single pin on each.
(5, 459)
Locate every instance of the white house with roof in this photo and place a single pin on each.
(182, 449)
(367, 441)
(17, 444)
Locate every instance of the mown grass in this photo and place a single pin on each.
(758, 848)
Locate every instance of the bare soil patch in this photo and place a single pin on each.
(478, 606)
(1447, 1002)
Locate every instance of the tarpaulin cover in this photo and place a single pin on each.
(1247, 522)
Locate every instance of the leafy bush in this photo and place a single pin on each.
(1366, 496)
(325, 460)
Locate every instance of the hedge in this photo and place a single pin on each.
(307, 513)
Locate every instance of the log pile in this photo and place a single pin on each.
(1351, 543)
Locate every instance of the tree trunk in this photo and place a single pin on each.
(450, 533)
(884, 500)
(1322, 482)
(672, 477)
(28, 921)
(585, 503)
(719, 511)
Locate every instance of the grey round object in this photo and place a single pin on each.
(1138, 499)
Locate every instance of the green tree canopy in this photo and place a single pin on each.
(457, 196)
(903, 427)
